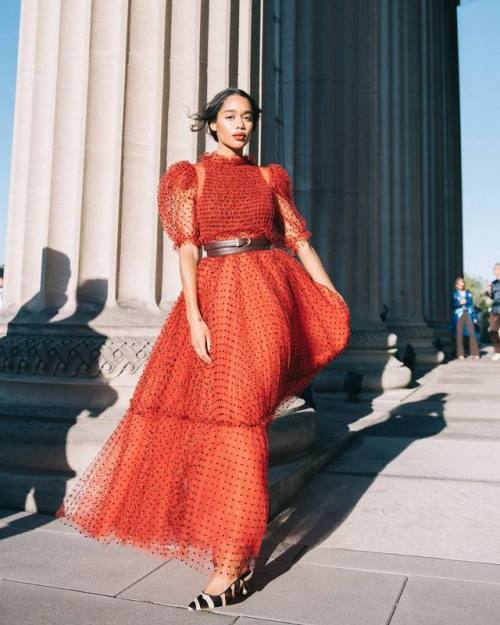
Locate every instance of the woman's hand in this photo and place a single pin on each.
(200, 339)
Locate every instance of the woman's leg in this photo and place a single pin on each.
(460, 337)
(473, 346)
(494, 327)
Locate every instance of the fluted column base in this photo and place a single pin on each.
(88, 360)
(443, 339)
(422, 339)
(371, 353)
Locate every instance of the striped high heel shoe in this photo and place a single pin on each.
(205, 601)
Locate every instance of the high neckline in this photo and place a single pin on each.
(215, 157)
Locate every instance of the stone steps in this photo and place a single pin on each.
(286, 480)
(42, 449)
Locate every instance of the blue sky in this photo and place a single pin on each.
(479, 56)
(9, 27)
(479, 59)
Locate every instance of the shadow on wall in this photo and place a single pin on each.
(41, 359)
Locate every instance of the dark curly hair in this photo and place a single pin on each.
(209, 112)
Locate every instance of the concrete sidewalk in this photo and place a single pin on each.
(401, 527)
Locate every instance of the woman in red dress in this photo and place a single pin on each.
(184, 474)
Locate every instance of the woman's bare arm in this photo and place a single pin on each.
(200, 333)
(312, 264)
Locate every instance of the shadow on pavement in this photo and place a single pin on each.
(405, 424)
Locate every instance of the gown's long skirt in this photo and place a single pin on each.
(184, 474)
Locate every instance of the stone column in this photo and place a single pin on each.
(102, 176)
(401, 167)
(67, 338)
(139, 244)
(34, 149)
(321, 86)
(441, 202)
(453, 166)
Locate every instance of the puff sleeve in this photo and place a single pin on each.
(176, 198)
(289, 225)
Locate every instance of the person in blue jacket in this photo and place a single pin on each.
(464, 319)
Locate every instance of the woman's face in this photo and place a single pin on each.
(234, 123)
(460, 284)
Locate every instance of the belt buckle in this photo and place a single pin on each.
(246, 244)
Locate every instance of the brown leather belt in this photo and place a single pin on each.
(232, 246)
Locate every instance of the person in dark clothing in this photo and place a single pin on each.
(494, 293)
(464, 320)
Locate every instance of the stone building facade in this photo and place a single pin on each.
(360, 104)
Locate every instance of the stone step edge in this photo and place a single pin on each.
(286, 480)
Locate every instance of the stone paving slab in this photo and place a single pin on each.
(408, 516)
(470, 407)
(177, 584)
(481, 389)
(317, 595)
(26, 604)
(421, 426)
(404, 565)
(332, 595)
(460, 396)
(174, 584)
(64, 560)
(435, 458)
(245, 620)
(445, 602)
(486, 377)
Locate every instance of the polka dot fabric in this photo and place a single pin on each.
(184, 474)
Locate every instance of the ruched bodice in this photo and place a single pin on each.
(235, 201)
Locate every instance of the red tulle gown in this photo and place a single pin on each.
(184, 474)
